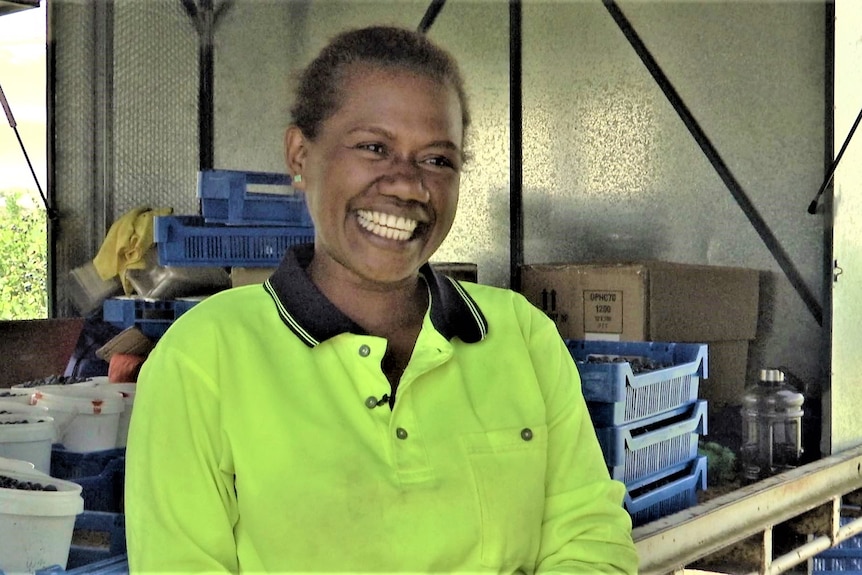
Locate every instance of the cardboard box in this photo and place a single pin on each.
(656, 301)
(728, 372)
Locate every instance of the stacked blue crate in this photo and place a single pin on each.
(238, 226)
(100, 532)
(846, 557)
(643, 400)
(151, 317)
(117, 565)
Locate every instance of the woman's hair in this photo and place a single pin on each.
(319, 90)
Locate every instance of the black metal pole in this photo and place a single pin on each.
(53, 226)
(206, 91)
(516, 152)
(750, 211)
(430, 15)
(14, 125)
(812, 207)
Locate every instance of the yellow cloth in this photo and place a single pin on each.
(126, 243)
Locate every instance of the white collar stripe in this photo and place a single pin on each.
(289, 319)
(471, 305)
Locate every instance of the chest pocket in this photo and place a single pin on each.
(508, 467)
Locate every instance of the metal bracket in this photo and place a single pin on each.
(836, 271)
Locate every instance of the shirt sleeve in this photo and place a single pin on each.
(180, 502)
(585, 527)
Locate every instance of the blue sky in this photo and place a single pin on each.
(22, 76)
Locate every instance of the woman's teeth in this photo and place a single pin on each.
(386, 225)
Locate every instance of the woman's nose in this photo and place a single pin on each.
(404, 179)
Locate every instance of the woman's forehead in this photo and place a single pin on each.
(386, 89)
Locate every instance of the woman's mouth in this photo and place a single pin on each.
(387, 226)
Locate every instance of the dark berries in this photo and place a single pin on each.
(7, 482)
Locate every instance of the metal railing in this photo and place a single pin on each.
(669, 544)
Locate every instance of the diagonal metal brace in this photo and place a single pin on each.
(748, 208)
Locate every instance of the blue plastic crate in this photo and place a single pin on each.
(846, 557)
(616, 395)
(653, 447)
(226, 199)
(649, 501)
(101, 475)
(152, 317)
(107, 528)
(189, 241)
(117, 565)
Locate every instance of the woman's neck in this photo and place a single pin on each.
(382, 309)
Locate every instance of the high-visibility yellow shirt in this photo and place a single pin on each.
(261, 441)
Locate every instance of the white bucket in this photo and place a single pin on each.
(20, 407)
(27, 437)
(31, 386)
(128, 392)
(36, 526)
(86, 418)
(15, 394)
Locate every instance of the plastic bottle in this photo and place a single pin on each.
(771, 427)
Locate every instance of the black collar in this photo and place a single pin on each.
(314, 319)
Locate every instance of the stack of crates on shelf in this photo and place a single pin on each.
(248, 220)
(100, 531)
(643, 401)
(239, 227)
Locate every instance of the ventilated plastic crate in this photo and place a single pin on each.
(227, 197)
(105, 534)
(101, 475)
(846, 557)
(117, 565)
(653, 500)
(152, 317)
(653, 447)
(616, 395)
(189, 241)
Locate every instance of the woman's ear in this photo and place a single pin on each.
(295, 151)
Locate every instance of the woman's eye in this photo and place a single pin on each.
(440, 162)
(373, 148)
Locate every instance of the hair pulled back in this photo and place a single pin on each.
(319, 90)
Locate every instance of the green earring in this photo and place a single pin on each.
(297, 178)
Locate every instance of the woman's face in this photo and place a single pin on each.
(382, 176)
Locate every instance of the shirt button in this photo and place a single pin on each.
(526, 434)
(364, 350)
(401, 433)
(371, 402)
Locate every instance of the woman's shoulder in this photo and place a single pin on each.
(228, 307)
(494, 295)
(504, 306)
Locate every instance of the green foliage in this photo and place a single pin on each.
(23, 258)
(721, 464)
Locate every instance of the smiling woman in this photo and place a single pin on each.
(23, 233)
(359, 411)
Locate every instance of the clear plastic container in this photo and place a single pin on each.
(88, 290)
(771, 427)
